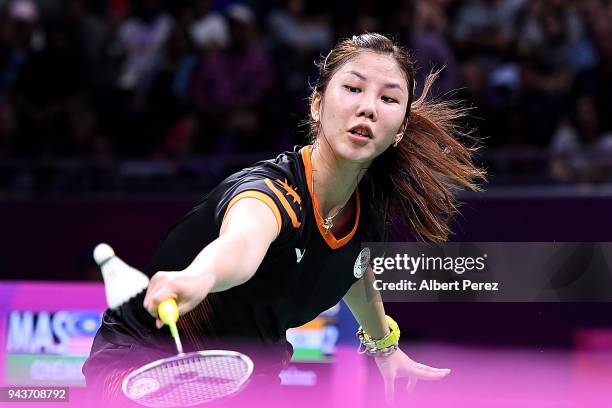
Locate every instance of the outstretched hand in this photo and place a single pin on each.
(187, 287)
(399, 365)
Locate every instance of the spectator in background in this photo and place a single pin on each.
(297, 37)
(582, 145)
(158, 85)
(117, 9)
(17, 31)
(483, 117)
(84, 121)
(433, 16)
(231, 84)
(485, 27)
(166, 85)
(552, 48)
(139, 40)
(596, 82)
(137, 43)
(483, 34)
(553, 33)
(50, 9)
(209, 30)
(179, 142)
(420, 26)
(540, 102)
(165, 90)
(51, 82)
(581, 150)
(18, 35)
(93, 33)
(289, 26)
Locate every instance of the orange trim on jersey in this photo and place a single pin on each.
(317, 324)
(285, 203)
(261, 197)
(332, 241)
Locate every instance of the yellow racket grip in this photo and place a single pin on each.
(169, 314)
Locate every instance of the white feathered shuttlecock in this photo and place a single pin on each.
(121, 281)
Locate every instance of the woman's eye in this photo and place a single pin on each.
(352, 89)
(389, 100)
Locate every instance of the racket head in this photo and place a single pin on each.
(188, 379)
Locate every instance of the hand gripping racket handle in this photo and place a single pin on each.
(169, 314)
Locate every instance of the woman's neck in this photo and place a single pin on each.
(334, 181)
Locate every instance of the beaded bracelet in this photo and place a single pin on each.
(382, 347)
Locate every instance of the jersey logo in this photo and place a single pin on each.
(290, 191)
(361, 263)
(288, 209)
(299, 254)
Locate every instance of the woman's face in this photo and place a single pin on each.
(363, 107)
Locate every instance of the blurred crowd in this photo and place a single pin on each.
(176, 78)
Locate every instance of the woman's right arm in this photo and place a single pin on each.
(247, 231)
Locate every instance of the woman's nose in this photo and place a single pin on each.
(367, 108)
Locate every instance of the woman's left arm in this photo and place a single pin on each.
(367, 307)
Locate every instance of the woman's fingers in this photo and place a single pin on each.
(424, 372)
(417, 372)
(431, 369)
(186, 307)
(411, 384)
(389, 389)
(188, 289)
(154, 297)
(160, 288)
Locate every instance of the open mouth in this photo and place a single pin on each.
(361, 131)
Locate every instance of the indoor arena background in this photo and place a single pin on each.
(117, 116)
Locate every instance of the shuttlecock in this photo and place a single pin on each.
(121, 281)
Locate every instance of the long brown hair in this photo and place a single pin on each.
(414, 182)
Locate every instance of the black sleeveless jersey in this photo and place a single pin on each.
(305, 271)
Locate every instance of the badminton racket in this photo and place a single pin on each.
(187, 379)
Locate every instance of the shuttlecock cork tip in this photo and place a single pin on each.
(102, 253)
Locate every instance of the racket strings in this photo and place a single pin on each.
(188, 380)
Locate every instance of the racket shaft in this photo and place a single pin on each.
(169, 314)
(177, 338)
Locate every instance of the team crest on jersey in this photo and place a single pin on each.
(361, 263)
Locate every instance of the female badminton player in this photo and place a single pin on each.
(276, 244)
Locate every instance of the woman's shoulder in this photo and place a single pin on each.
(288, 163)
(287, 169)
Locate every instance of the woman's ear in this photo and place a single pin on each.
(315, 107)
(403, 128)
